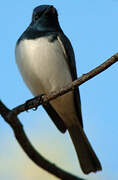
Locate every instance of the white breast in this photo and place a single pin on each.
(44, 69)
(42, 65)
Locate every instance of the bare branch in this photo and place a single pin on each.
(10, 116)
(30, 150)
(52, 95)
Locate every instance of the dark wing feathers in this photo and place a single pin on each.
(55, 117)
(69, 53)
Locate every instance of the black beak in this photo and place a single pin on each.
(51, 10)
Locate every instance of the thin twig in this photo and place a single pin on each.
(69, 87)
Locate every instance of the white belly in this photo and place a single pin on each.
(44, 69)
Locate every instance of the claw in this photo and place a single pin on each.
(31, 102)
(27, 105)
(34, 109)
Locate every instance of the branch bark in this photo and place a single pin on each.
(10, 116)
(30, 150)
(52, 95)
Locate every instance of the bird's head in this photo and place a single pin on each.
(45, 18)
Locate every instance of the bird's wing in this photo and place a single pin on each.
(70, 58)
(55, 117)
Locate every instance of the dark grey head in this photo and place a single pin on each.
(45, 18)
(44, 21)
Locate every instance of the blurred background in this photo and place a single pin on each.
(92, 27)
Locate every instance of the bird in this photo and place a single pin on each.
(46, 61)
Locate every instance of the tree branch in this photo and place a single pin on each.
(52, 95)
(10, 116)
(30, 150)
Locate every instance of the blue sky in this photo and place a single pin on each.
(92, 27)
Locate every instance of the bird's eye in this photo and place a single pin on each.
(36, 17)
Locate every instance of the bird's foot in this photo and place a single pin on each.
(34, 102)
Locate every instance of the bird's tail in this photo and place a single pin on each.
(87, 157)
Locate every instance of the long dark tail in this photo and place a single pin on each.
(87, 157)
